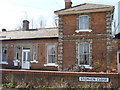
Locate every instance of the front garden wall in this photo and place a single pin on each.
(55, 79)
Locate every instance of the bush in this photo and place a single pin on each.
(8, 85)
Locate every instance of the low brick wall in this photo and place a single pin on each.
(58, 79)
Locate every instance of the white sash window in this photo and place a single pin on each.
(84, 22)
(84, 54)
(51, 54)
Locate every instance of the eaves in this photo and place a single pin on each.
(30, 39)
(84, 11)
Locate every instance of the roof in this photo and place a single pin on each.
(86, 7)
(41, 33)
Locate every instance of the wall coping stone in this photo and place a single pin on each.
(92, 74)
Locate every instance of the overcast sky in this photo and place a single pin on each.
(13, 12)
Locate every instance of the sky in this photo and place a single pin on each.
(13, 12)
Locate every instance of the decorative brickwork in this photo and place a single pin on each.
(109, 37)
(60, 44)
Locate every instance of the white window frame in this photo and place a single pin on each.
(84, 22)
(26, 61)
(17, 52)
(4, 62)
(26, 51)
(34, 51)
(84, 30)
(85, 65)
(51, 64)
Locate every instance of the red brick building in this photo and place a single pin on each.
(85, 37)
(84, 42)
(30, 48)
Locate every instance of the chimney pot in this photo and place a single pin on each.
(3, 30)
(25, 25)
(68, 4)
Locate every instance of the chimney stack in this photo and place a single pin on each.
(68, 4)
(25, 25)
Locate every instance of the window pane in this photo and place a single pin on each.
(24, 56)
(53, 50)
(81, 49)
(81, 59)
(86, 48)
(84, 22)
(51, 53)
(35, 56)
(17, 55)
(49, 49)
(49, 59)
(84, 54)
(4, 54)
(4, 58)
(86, 59)
(28, 58)
(53, 58)
(34, 53)
(17, 52)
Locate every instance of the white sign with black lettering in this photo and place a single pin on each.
(94, 79)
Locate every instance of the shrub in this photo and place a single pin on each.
(8, 85)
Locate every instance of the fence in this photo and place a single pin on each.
(57, 79)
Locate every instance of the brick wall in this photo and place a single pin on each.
(69, 54)
(69, 24)
(99, 55)
(100, 39)
(98, 23)
(41, 52)
(56, 79)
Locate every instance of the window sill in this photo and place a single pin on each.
(84, 30)
(16, 60)
(34, 61)
(86, 66)
(51, 64)
(3, 63)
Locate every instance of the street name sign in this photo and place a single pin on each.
(94, 79)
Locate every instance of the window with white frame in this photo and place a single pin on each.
(83, 22)
(34, 52)
(51, 54)
(26, 54)
(17, 52)
(84, 54)
(4, 53)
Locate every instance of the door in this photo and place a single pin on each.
(26, 58)
(118, 59)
